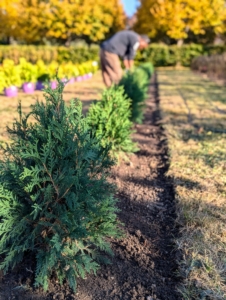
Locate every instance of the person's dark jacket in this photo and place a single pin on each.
(124, 44)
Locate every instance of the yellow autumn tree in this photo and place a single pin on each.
(63, 20)
(9, 13)
(31, 22)
(89, 19)
(177, 17)
(118, 15)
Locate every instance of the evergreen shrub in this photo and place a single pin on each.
(55, 200)
(147, 68)
(110, 117)
(135, 84)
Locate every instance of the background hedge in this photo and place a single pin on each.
(158, 54)
(163, 55)
(49, 53)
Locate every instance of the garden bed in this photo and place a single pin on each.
(144, 263)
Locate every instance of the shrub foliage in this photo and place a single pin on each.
(160, 55)
(55, 200)
(110, 119)
(135, 84)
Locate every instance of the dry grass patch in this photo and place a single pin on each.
(194, 111)
(87, 91)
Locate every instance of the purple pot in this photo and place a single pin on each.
(28, 87)
(11, 91)
(40, 86)
(53, 84)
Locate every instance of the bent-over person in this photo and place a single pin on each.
(123, 44)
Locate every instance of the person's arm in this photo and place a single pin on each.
(128, 63)
(131, 51)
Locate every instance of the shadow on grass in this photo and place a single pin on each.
(198, 153)
(194, 86)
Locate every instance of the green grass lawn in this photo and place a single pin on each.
(87, 91)
(194, 115)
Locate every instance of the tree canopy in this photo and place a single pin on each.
(178, 18)
(34, 20)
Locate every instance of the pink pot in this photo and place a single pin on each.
(28, 87)
(11, 91)
(64, 80)
(79, 78)
(90, 75)
(40, 86)
(53, 84)
(72, 80)
(85, 77)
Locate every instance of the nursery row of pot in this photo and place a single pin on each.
(29, 77)
(56, 201)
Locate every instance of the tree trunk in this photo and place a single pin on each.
(180, 42)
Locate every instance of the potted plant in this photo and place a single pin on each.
(11, 78)
(68, 71)
(94, 66)
(44, 78)
(86, 67)
(75, 72)
(52, 71)
(2, 80)
(28, 75)
(62, 73)
(42, 74)
(81, 72)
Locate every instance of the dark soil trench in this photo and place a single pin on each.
(144, 264)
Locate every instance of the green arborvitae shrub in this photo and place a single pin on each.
(135, 84)
(55, 200)
(147, 68)
(110, 118)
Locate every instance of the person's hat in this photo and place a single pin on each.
(145, 38)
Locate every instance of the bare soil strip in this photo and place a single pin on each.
(144, 264)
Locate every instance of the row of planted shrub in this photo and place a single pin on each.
(158, 54)
(213, 65)
(30, 76)
(55, 198)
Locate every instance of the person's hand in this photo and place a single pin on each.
(129, 70)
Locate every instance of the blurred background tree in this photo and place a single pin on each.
(39, 21)
(179, 20)
(63, 22)
(32, 21)
(9, 13)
